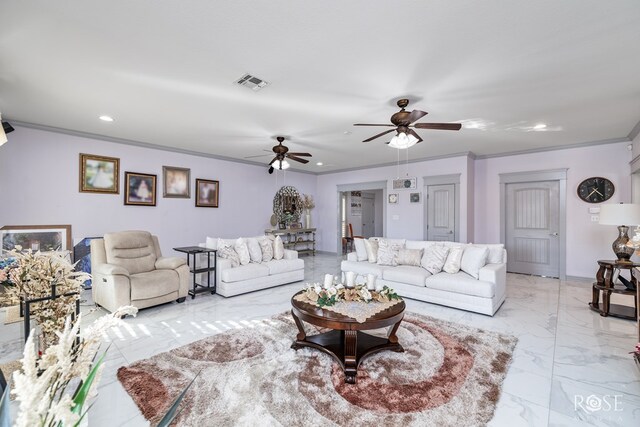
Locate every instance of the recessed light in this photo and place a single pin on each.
(540, 126)
(319, 164)
(347, 132)
(106, 118)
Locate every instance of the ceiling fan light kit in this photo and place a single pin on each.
(402, 141)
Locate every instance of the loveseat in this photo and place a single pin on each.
(260, 272)
(129, 269)
(481, 288)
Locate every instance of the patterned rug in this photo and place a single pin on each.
(449, 375)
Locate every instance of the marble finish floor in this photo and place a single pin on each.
(571, 367)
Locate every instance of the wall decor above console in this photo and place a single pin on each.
(176, 182)
(99, 174)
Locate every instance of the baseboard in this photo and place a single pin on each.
(327, 253)
(579, 279)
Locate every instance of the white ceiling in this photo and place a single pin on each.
(165, 71)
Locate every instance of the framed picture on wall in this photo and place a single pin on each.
(207, 193)
(176, 182)
(139, 189)
(37, 237)
(99, 174)
(414, 197)
(393, 198)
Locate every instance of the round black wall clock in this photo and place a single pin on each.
(596, 190)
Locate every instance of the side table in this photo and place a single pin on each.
(193, 251)
(605, 283)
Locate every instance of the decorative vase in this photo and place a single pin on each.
(307, 219)
(371, 282)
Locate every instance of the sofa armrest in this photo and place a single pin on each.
(169, 263)
(492, 273)
(109, 270)
(289, 254)
(352, 256)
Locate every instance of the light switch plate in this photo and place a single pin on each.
(594, 210)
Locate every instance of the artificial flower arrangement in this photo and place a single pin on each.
(307, 202)
(328, 295)
(636, 354)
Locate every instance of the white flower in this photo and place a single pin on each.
(317, 288)
(331, 291)
(365, 294)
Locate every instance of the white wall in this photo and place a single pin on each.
(587, 241)
(39, 185)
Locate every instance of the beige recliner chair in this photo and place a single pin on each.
(128, 269)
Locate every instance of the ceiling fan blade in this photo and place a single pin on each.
(297, 159)
(439, 126)
(415, 115)
(300, 154)
(379, 135)
(259, 155)
(273, 161)
(413, 132)
(369, 124)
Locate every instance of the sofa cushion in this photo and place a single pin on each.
(461, 283)
(153, 284)
(362, 267)
(388, 252)
(255, 253)
(244, 272)
(361, 249)
(242, 250)
(410, 257)
(278, 248)
(133, 250)
(226, 251)
(473, 259)
(406, 274)
(418, 244)
(284, 265)
(434, 258)
(266, 246)
(495, 253)
(371, 245)
(454, 260)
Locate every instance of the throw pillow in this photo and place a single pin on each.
(211, 243)
(266, 246)
(410, 257)
(255, 253)
(434, 258)
(225, 251)
(454, 259)
(496, 252)
(278, 248)
(388, 252)
(371, 245)
(243, 251)
(361, 250)
(473, 259)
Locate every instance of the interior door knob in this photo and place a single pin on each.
(553, 234)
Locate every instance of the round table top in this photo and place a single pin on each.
(619, 264)
(330, 319)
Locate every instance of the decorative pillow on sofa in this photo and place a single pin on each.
(278, 248)
(410, 257)
(388, 252)
(434, 258)
(226, 251)
(211, 242)
(243, 251)
(473, 259)
(255, 253)
(361, 249)
(266, 246)
(495, 253)
(454, 259)
(371, 245)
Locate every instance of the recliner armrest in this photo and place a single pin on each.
(110, 270)
(169, 263)
(289, 254)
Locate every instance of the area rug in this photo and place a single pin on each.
(12, 315)
(449, 375)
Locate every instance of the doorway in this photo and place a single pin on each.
(362, 206)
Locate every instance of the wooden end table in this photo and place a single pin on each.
(605, 284)
(346, 342)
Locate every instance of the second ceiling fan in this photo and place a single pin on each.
(402, 124)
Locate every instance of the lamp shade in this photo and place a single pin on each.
(283, 165)
(403, 141)
(620, 214)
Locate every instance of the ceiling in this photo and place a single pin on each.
(165, 72)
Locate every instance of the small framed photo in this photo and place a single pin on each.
(295, 225)
(393, 198)
(139, 189)
(176, 182)
(282, 226)
(207, 193)
(414, 197)
(99, 174)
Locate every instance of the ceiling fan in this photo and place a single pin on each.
(282, 153)
(402, 124)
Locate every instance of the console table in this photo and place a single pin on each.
(192, 251)
(605, 284)
(302, 240)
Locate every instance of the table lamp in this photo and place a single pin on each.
(623, 215)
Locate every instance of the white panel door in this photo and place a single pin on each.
(532, 225)
(368, 215)
(441, 212)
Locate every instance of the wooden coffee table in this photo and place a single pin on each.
(346, 342)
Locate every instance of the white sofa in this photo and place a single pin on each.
(254, 276)
(459, 290)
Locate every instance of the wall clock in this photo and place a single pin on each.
(596, 190)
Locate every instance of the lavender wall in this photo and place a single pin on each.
(587, 241)
(39, 185)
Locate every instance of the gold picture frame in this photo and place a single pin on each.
(99, 174)
(207, 193)
(176, 182)
(36, 237)
(139, 189)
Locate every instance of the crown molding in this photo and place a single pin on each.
(635, 131)
(555, 148)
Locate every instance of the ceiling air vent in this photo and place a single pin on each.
(252, 82)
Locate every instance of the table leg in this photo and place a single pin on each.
(301, 333)
(350, 356)
(393, 338)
